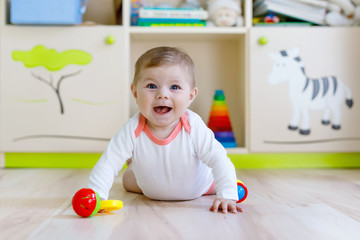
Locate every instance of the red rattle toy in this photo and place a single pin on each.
(242, 191)
(86, 203)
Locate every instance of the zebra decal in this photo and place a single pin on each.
(326, 93)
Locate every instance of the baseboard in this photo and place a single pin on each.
(241, 161)
(51, 160)
(297, 160)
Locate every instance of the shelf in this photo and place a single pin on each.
(164, 33)
(193, 32)
(238, 150)
(190, 30)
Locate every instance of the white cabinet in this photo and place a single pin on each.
(96, 100)
(300, 98)
(62, 88)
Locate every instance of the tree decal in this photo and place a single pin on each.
(52, 61)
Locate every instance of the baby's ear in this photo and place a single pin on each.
(133, 90)
(193, 94)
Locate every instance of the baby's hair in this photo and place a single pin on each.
(161, 56)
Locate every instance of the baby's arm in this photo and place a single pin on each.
(111, 162)
(214, 155)
(225, 205)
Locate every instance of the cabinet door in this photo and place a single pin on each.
(62, 88)
(305, 90)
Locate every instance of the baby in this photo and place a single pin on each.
(171, 153)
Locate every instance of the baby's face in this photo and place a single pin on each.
(163, 94)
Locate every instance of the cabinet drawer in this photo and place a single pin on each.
(62, 88)
(304, 89)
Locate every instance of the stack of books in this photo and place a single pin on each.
(312, 11)
(172, 17)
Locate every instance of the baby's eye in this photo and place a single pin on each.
(175, 87)
(151, 86)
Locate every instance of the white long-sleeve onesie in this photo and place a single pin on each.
(183, 166)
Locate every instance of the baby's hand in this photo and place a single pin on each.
(225, 205)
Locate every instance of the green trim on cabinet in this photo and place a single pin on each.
(51, 160)
(296, 160)
(241, 161)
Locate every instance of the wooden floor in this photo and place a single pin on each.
(282, 204)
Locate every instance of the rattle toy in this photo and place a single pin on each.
(242, 191)
(86, 203)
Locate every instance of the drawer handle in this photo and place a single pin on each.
(263, 40)
(110, 40)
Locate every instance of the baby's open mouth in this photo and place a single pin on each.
(162, 109)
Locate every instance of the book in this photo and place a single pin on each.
(154, 22)
(284, 24)
(295, 9)
(174, 24)
(302, 5)
(168, 13)
(319, 3)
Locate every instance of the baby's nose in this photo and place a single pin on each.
(163, 93)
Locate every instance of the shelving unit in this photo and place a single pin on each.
(226, 58)
(208, 47)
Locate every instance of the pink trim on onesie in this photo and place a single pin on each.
(142, 126)
(210, 189)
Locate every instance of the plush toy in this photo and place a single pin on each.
(349, 14)
(225, 13)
